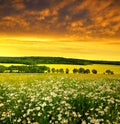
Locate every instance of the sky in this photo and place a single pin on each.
(85, 29)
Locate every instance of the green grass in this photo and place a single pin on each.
(59, 99)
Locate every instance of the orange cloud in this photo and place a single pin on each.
(18, 4)
(14, 23)
(82, 19)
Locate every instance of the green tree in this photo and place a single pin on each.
(81, 70)
(53, 70)
(94, 71)
(57, 70)
(49, 70)
(67, 71)
(87, 71)
(109, 71)
(2, 68)
(61, 70)
(75, 70)
(112, 72)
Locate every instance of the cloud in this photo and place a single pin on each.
(84, 19)
(13, 24)
(18, 4)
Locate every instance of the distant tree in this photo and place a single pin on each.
(81, 70)
(109, 72)
(49, 70)
(26, 69)
(21, 69)
(42, 69)
(11, 70)
(57, 70)
(94, 71)
(75, 70)
(87, 71)
(61, 70)
(112, 72)
(53, 70)
(2, 68)
(33, 69)
(67, 71)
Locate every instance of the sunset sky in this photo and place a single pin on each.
(86, 29)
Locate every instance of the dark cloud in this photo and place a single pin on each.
(36, 4)
(79, 18)
(82, 15)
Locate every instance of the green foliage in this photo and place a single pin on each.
(81, 70)
(109, 72)
(53, 70)
(67, 71)
(94, 71)
(2, 68)
(61, 70)
(28, 69)
(75, 70)
(87, 71)
(52, 60)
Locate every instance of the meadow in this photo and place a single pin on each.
(59, 99)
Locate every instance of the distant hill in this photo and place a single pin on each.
(53, 60)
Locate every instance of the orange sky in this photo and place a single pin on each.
(84, 29)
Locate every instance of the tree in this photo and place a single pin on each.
(49, 70)
(53, 70)
(81, 70)
(94, 71)
(87, 71)
(2, 68)
(112, 72)
(75, 70)
(109, 72)
(57, 70)
(61, 70)
(67, 71)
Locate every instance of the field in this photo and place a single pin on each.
(101, 68)
(59, 99)
(9, 64)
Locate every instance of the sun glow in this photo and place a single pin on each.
(62, 47)
(30, 38)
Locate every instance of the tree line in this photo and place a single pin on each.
(24, 69)
(53, 60)
(45, 69)
(80, 71)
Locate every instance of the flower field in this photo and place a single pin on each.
(59, 99)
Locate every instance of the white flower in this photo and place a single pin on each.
(59, 117)
(39, 114)
(35, 123)
(84, 122)
(19, 120)
(24, 115)
(64, 121)
(43, 105)
(37, 108)
(74, 114)
(53, 94)
(1, 104)
(28, 111)
(19, 101)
